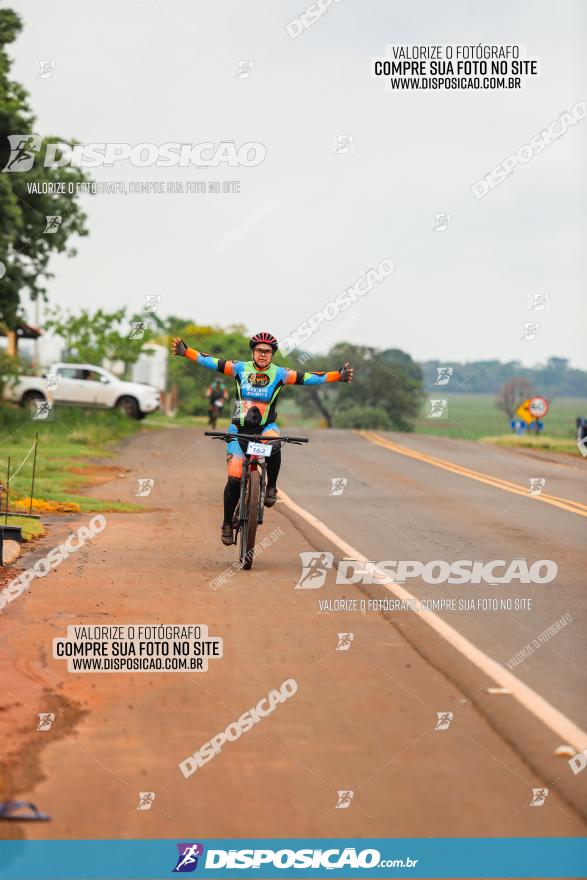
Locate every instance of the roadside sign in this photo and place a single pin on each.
(523, 412)
(538, 407)
(533, 408)
(518, 425)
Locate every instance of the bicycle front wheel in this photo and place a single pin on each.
(249, 527)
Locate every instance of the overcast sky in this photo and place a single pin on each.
(138, 71)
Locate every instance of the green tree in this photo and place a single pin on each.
(191, 380)
(94, 337)
(388, 380)
(25, 247)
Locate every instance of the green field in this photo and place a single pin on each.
(475, 417)
(471, 417)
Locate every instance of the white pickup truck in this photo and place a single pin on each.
(85, 385)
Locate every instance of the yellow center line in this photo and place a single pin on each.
(505, 485)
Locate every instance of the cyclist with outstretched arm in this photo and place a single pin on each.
(258, 383)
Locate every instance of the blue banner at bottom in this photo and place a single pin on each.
(285, 857)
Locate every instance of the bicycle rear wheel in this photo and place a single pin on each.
(248, 531)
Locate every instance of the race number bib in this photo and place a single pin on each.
(262, 449)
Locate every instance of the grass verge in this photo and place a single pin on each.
(31, 528)
(541, 443)
(69, 456)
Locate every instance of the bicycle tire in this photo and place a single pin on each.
(249, 528)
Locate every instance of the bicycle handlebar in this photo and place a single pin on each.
(226, 436)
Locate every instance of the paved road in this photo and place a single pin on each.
(363, 719)
(403, 508)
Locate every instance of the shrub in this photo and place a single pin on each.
(362, 417)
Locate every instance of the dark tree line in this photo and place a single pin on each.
(555, 378)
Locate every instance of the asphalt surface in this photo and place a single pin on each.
(363, 719)
(396, 508)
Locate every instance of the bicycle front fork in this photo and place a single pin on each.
(261, 466)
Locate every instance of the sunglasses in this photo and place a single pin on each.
(266, 351)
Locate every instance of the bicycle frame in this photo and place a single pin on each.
(242, 519)
(251, 463)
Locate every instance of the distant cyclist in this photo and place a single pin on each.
(258, 383)
(217, 395)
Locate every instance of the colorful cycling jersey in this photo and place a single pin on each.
(257, 390)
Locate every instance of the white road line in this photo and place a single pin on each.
(564, 728)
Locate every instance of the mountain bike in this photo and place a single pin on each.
(215, 411)
(251, 505)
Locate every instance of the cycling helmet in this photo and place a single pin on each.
(265, 337)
